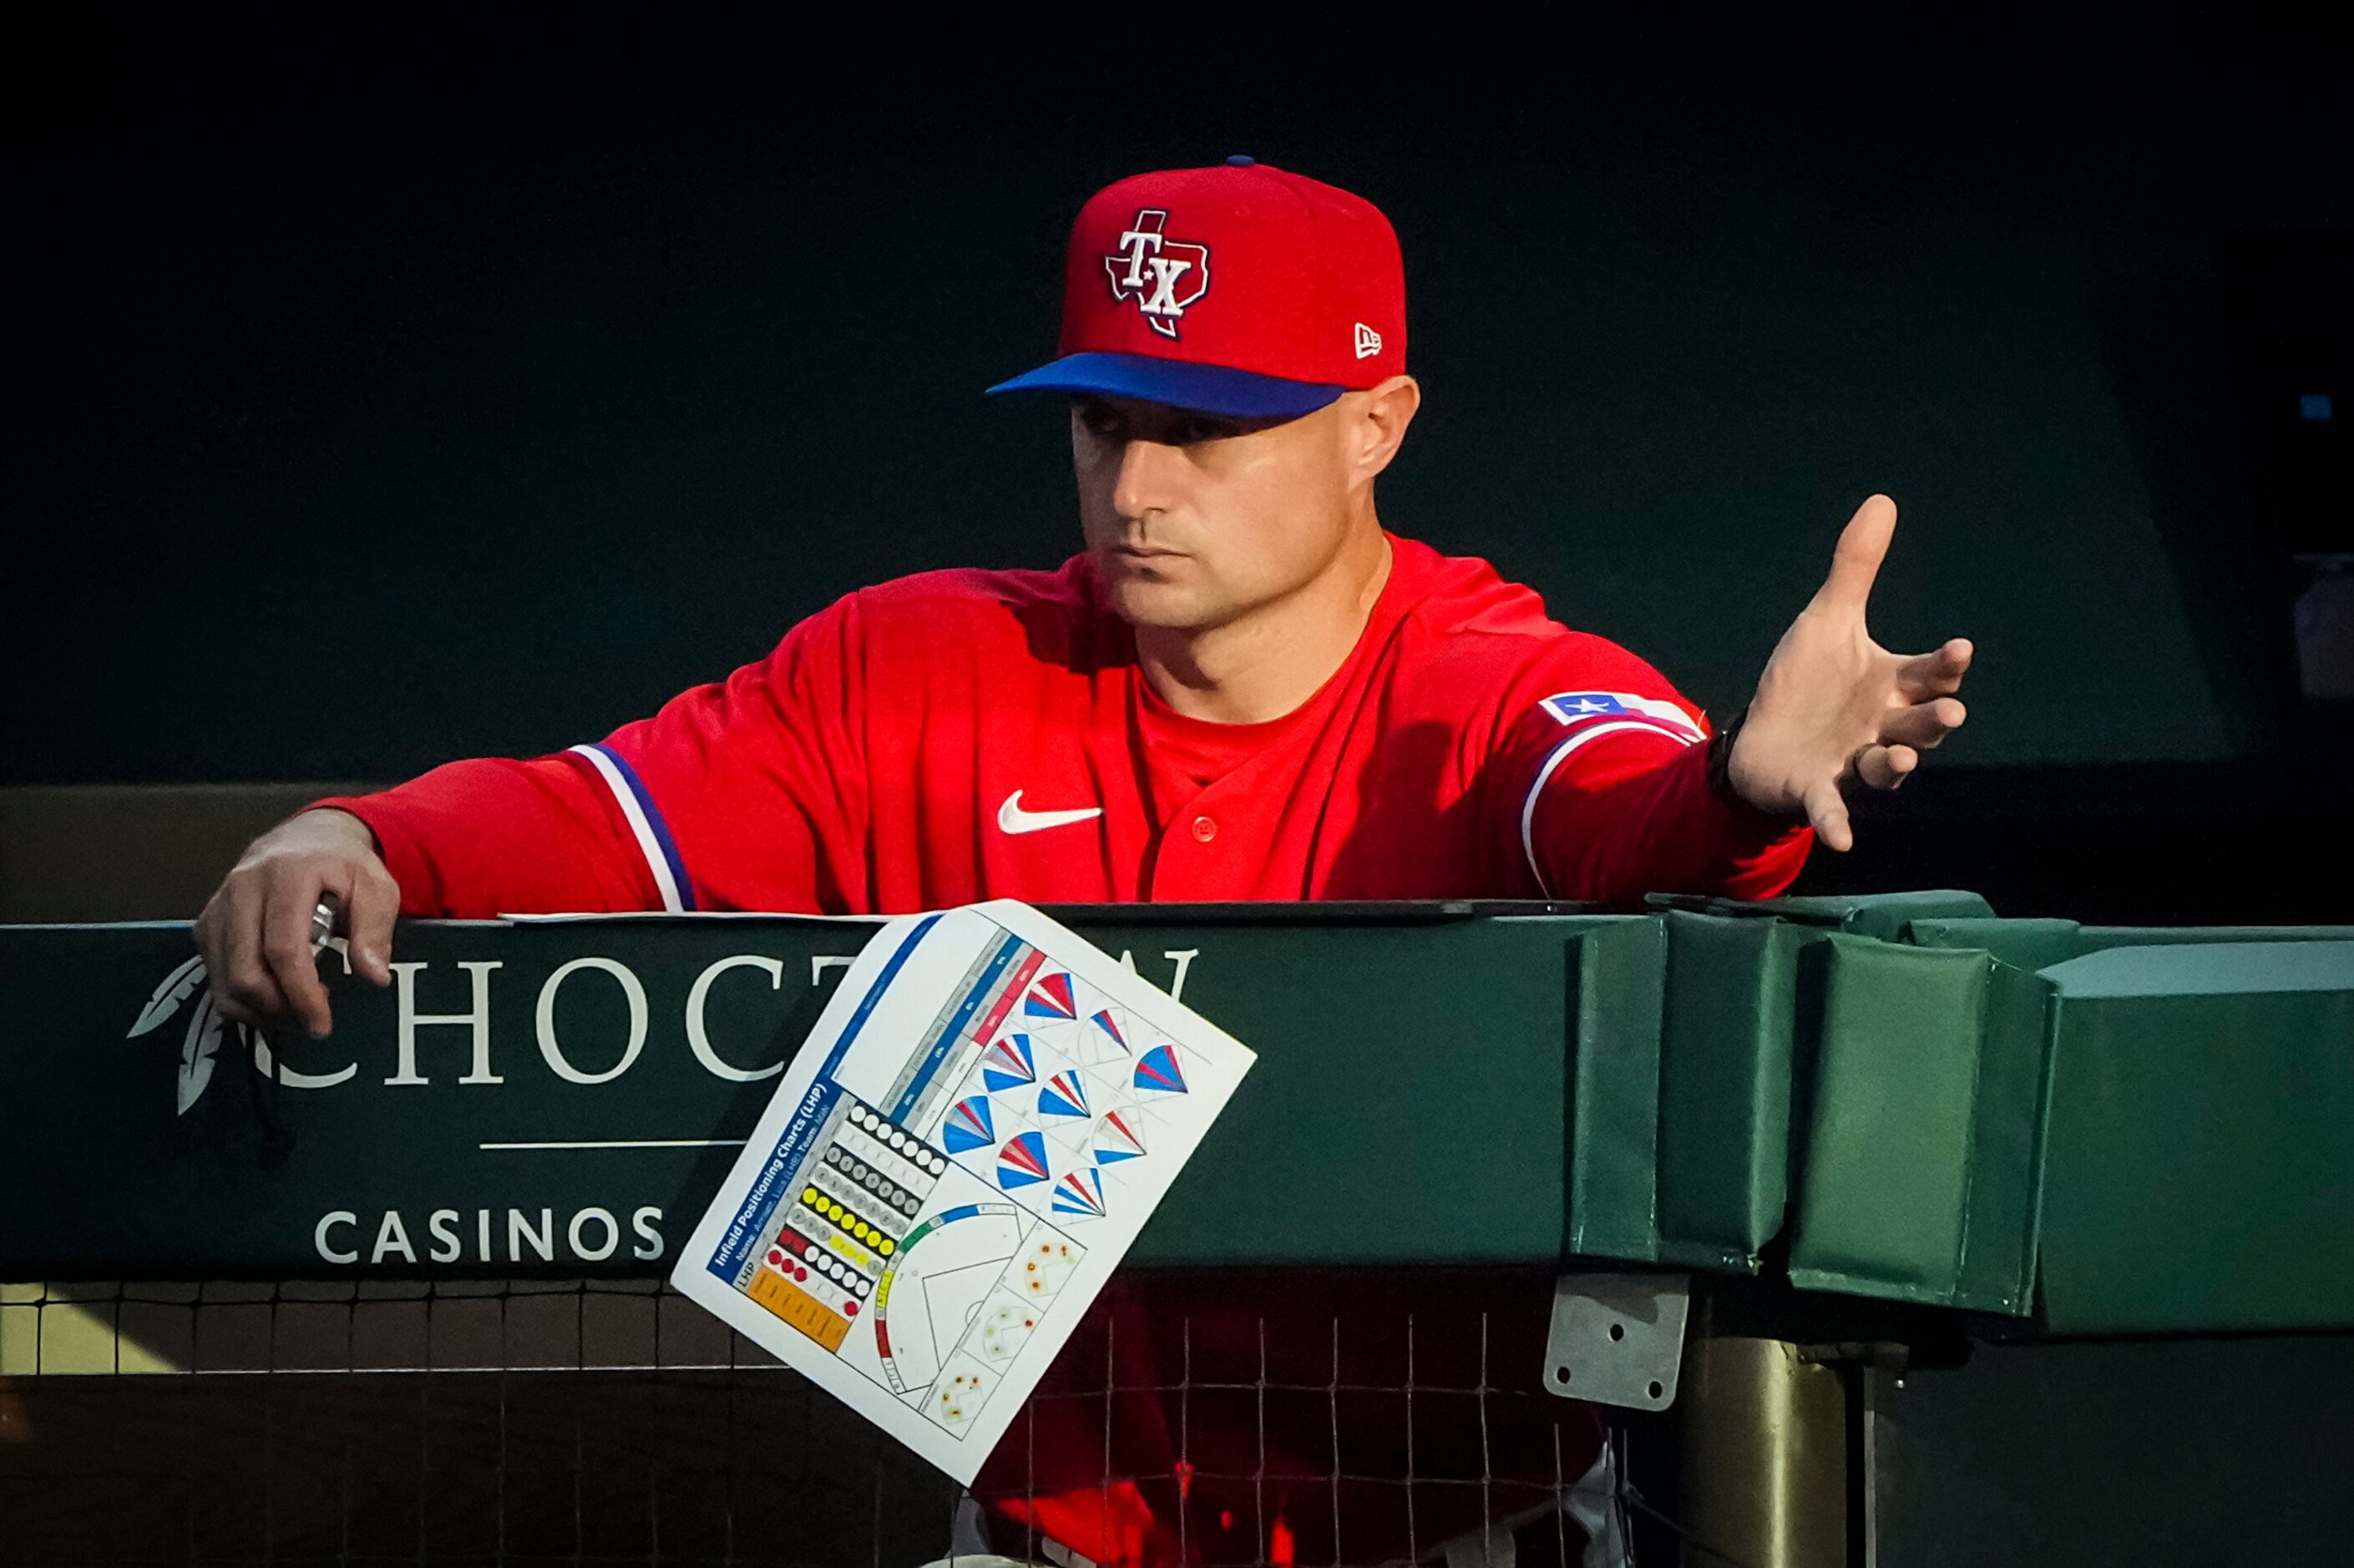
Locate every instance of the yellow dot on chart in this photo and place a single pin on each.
(861, 1230)
(886, 1247)
(810, 1196)
(833, 1211)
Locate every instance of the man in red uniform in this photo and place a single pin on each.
(1243, 688)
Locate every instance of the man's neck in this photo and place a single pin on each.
(1268, 664)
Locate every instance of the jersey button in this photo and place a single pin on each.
(1205, 830)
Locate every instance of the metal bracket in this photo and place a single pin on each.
(1618, 1338)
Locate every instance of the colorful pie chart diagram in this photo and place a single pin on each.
(1105, 1022)
(969, 1126)
(1051, 997)
(1008, 1064)
(1062, 1095)
(1080, 1192)
(1022, 1161)
(1116, 1140)
(1158, 1070)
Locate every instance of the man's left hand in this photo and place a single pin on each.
(1833, 705)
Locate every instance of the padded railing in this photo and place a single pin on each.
(1898, 1098)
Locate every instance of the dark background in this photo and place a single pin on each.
(388, 391)
(385, 387)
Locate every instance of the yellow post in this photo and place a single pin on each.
(1764, 1455)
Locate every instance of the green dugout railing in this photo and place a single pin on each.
(1899, 1098)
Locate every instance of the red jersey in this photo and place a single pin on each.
(961, 736)
(970, 735)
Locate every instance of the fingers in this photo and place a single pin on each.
(1937, 675)
(1881, 766)
(1884, 767)
(256, 933)
(1922, 725)
(368, 916)
(1863, 545)
(229, 931)
(285, 941)
(1827, 813)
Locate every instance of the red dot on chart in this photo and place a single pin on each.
(850, 1309)
(799, 1273)
(776, 1260)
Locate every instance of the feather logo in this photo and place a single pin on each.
(200, 1046)
(176, 990)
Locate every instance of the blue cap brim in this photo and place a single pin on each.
(1200, 388)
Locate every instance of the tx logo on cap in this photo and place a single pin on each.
(1163, 276)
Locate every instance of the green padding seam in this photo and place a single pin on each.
(1918, 1173)
(2029, 945)
(1614, 1109)
(1882, 914)
(1724, 1088)
(2040, 944)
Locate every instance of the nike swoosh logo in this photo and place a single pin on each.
(1012, 819)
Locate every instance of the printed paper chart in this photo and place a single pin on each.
(1069, 1099)
(952, 1166)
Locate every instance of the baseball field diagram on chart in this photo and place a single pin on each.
(950, 1169)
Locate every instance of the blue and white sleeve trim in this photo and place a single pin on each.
(1589, 716)
(645, 819)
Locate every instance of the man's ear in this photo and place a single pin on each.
(1380, 426)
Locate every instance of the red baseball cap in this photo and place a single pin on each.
(1240, 290)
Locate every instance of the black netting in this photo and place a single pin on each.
(1309, 1423)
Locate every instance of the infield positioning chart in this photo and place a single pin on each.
(980, 1124)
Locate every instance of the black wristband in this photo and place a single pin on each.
(1720, 776)
(1719, 759)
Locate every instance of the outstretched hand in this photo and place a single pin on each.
(1833, 705)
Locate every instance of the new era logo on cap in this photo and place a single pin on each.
(1240, 290)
